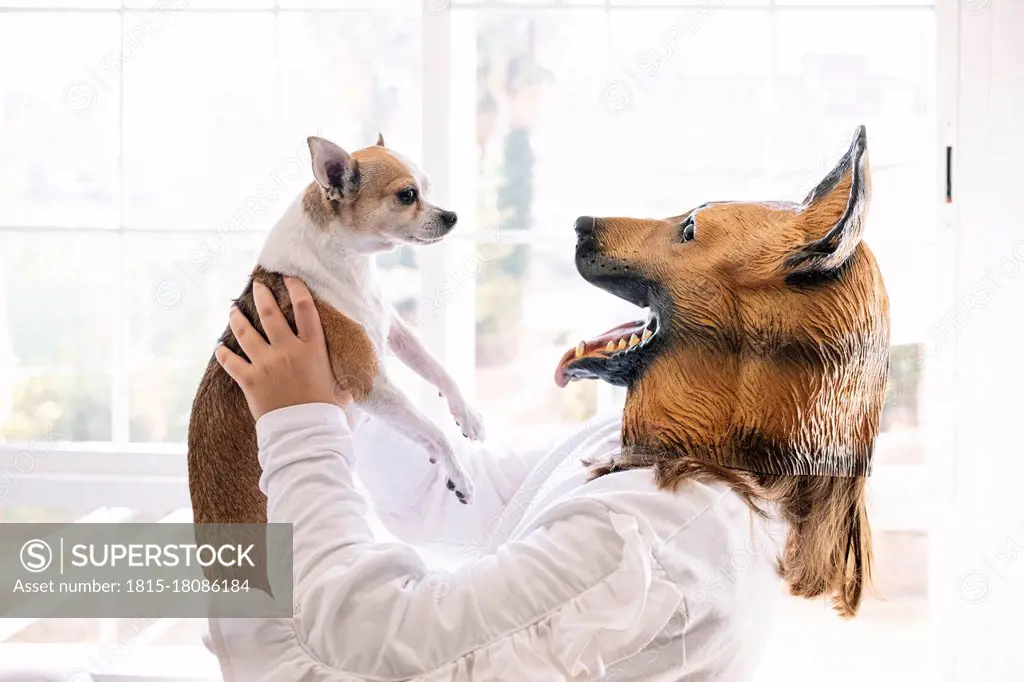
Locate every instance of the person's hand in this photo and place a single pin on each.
(290, 369)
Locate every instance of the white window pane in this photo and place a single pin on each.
(690, 43)
(57, 323)
(539, 76)
(900, 413)
(401, 278)
(704, 6)
(830, 74)
(198, 122)
(349, 75)
(833, 79)
(910, 274)
(179, 289)
(437, 5)
(406, 6)
(531, 307)
(854, 3)
(64, 4)
(67, 514)
(169, 7)
(696, 127)
(58, 119)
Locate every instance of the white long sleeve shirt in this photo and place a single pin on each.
(558, 577)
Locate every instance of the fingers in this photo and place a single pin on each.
(307, 319)
(248, 338)
(274, 323)
(236, 367)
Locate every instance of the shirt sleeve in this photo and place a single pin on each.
(409, 493)
(575, 593)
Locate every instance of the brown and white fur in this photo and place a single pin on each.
(360, 203)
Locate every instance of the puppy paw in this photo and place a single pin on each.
(457, 480)
(463, 491)
(469, 420)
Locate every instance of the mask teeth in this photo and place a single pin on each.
(632, 341)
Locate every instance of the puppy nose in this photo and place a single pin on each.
(585, 225)
(449, 218)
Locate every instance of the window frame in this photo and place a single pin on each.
(153, 477)
(448, 39)
(114, 469)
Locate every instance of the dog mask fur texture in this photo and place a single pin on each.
(767, 344)
(762, 365)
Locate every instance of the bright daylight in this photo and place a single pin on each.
(668, 340)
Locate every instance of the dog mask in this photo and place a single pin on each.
(766, 345)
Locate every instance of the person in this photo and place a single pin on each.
(563, 576)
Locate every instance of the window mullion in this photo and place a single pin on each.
(445, 314)
(119, 409)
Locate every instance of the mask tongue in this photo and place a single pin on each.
(620, 337)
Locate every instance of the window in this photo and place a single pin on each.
(145, 149)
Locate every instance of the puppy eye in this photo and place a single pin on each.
(688, 230)
(407, 196)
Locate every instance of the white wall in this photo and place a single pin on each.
(978, 585)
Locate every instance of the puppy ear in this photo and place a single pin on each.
(833, 213)
(334, 169)
(380, 139)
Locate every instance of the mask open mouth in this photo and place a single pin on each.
(615, 356)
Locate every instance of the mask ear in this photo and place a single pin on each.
(833, 213)
(380, 139)
(334, 169)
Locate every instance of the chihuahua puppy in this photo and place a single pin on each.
(361, 203)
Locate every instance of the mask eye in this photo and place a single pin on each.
(406, 196)
(688, 230)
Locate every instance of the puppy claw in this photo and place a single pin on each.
(456, 479)
(459, 484)
(463, 492)
(470, 423)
